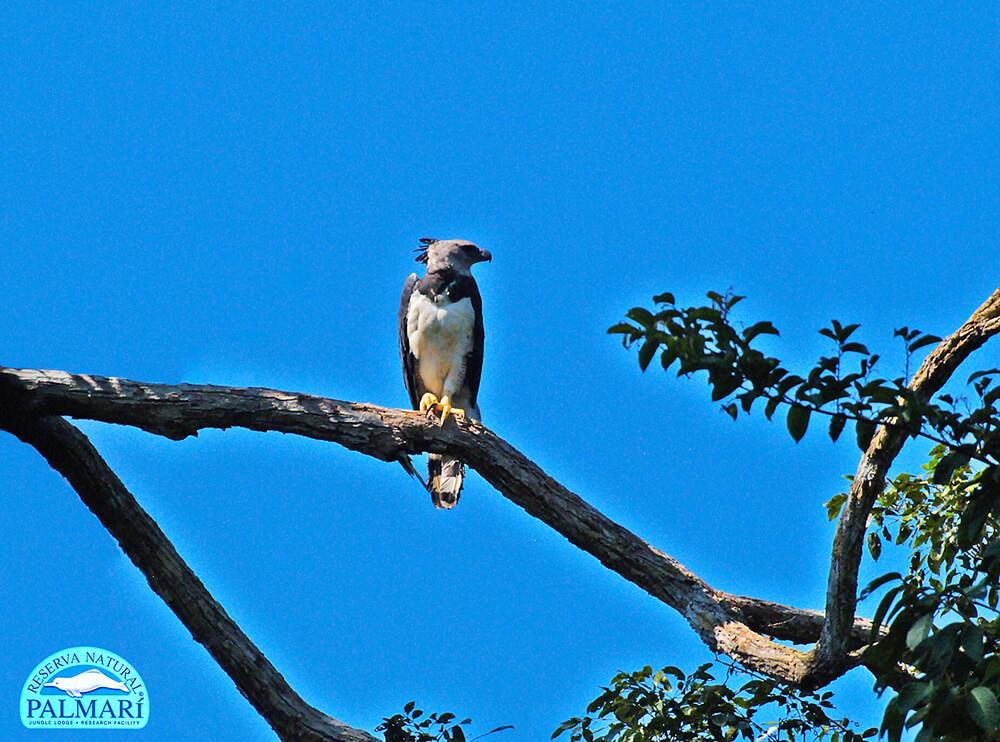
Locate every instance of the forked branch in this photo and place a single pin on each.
(832, 649)
(731, 624)
(745, 628)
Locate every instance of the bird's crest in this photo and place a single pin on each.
(425, 242)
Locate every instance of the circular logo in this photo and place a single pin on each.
(84, 688)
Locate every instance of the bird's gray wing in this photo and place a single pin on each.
(474, 360)
(409, 366)
(409, 361)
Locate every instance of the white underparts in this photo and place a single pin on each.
(440, 335)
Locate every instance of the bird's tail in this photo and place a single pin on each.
(444, 480)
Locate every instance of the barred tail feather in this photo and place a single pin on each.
(444, 480)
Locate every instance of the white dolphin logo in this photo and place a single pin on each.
(85, 682)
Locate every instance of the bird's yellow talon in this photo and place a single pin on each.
(427, 402)
(447, 409)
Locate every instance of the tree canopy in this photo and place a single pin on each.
(933, 640)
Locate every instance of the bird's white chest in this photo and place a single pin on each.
(440, 334)
(440, 331)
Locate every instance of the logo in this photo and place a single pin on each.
(84, 688)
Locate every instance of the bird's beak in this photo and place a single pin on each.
(484, 255)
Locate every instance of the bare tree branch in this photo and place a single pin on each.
(70, 453)
(33, 401)
(869, 481)
(730, 624)
(738, 626)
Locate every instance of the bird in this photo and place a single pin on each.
(441, 346)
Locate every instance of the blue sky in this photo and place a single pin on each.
(231, 196)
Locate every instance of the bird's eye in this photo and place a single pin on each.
(470, 249)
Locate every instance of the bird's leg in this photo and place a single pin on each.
(428, 402)
(447, 409)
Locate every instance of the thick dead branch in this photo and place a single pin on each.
(842, 586)
(32, 401)
(790, 624)
(734, 625)
(70, 453)
(738, 626)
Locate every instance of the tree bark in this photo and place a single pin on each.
(745, 628)
(869, 481)
(70, 453)
(731, 624)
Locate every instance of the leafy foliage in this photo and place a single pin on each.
(946, 632)
(413, 726)
(937, 626)
(942, 615)
(842, 386)
(668, 705)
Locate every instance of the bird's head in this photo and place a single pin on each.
(458, 255)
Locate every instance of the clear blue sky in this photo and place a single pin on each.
(231, 196)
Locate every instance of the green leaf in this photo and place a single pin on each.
(668, 356)
(665, 298)
(883, 608)
(918, 631)
(991, 553)
(947, 465)
(725, 386)
(974, 518)
(879, 582)
(972, 643)
(846, 332)
(646, 353)
(892, 722)
(924, 341)
(643, 316)
(979, 374)
(498, 729)
(836, 426)
(912, 695)
(874, 545)
(705, 313)
(983, 708)
(864, 429)
(622, 328)
(675, 671)
(566, 725)
(834, 504)
(798, 421)
(771, 406)
(759, 328)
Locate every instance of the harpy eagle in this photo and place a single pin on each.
(441, 345)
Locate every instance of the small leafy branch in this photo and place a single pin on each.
(414, 726)
(667, 705)
(948, 516)
(942, 616)
(936, 630)
(840, 386)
